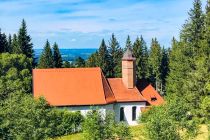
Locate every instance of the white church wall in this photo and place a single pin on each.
(128, 111)
(84, 109)
(116, 109)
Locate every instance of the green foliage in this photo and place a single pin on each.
(57, 56)
(24, 41)
(22, 117)
(79, 62)
(15, 47)
(92, 60)
(170, 121)
(67, 64)
(164, 68)
(155, 57)
(3, 42)
(103, 58)
(115, 53)
(141, 54)
(99, 127)
(128, 43)
(14, 74)
(122, 131)
(10, 43)
(46, 58)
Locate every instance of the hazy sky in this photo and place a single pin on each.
(83, 23)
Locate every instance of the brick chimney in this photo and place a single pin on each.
(129, 69)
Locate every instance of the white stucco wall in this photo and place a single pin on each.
(85, 109)
(128, 111)
(116, 109)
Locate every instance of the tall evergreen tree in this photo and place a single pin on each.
(193, 28)
(57, 56)
(141, 54)
(154, 61)
(115, 53)
(189, 62)
(15, 47)
(24, 41)
(10, 43)
(3, 42)
(128, 43)
(104, 59)
(46, 58)
(164, 67)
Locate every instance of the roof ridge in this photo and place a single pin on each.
(105, 80)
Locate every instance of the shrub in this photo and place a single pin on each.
(22, 117)
(103, 127)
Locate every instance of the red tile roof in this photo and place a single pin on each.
(72, 86)
(123, 94)
(87, 86)
(152, 96)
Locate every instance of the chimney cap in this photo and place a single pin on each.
(128, 55)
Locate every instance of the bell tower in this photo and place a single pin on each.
(129, 69)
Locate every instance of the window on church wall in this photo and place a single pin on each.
(122, 114)
(134, 113)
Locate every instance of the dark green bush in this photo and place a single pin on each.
(22, 117)
(104, 127)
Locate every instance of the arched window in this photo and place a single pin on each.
(134, 113)
(122, 115)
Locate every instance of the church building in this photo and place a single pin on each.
(83, 89)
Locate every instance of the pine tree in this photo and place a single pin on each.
(15, 47)
(115, 53)
(104, 59)
(141, 54)
(154, 61)
(3, 42)
(164, 67)
(10, 43)
(24, 41)
(193, 28)
(57, 56)
(46, 58)
(128, 43)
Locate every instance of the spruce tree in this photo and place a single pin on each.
(128, 43)
(141, 54)
(10, 43)
(24, 41)
(46, 58)
(15, 47)
(193, 28)
(154, 61)
(115, 53)
(104, 59)
(3, 42)
(164, 67)
(57, 56)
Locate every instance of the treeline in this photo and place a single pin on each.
(151, 64)
(187, 84)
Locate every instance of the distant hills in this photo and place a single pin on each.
(69, 54)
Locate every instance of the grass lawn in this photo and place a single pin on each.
(138, 133)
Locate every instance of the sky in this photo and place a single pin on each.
(84, 23)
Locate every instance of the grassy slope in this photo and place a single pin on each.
(138, 133)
